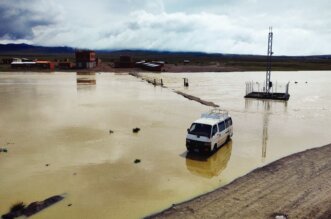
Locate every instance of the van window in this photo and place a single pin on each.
(228, 122)
(200, 129)
(214, 130)
(221, 126)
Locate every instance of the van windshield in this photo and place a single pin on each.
(200, 129)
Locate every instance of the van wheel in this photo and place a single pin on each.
(228, 138)
(215, 147)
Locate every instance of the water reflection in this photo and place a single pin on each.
(267, 107)
(266, 114)
(85, 88)
(209, 166)
(86, 78)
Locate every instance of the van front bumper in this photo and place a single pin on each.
(198, 146)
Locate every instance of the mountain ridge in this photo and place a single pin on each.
(35, 49)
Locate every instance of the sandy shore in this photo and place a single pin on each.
(297, 186)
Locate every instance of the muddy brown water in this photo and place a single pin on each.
(49, 119)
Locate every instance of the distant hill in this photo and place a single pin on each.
(25, 49)
(203, 61)
(29, 49)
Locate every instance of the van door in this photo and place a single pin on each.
(214, 137)
(222, 133)
(228, 122)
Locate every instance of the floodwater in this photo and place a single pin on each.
(58, 140)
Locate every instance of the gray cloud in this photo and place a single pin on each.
(236, 26)
(19, 18)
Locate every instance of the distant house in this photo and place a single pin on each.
(161, 63)
(124, 62)
(29, 64)
(7, 61)
(98, 60)
(85, 59)
(45, 65)
(23, 64)
(139, 64)
(65, 65)
(150, 66)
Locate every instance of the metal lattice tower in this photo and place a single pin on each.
(268, 83)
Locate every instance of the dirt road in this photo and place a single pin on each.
(297, 186)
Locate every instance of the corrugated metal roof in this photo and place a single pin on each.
(151, 65)
(43, 62)
(22, 63)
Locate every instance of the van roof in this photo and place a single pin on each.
(210, 121)
(213, 117)
(206, 121)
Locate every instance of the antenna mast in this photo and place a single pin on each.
(268, 84)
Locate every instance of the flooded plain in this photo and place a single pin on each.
(57, 133)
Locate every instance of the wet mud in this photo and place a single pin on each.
(296, 186)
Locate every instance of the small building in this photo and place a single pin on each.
(23, 65)
(85, 59)
(65, 65)
(161, 63)
(149, 66)
(7, 61)
(37, 65)
(124, 62)
(98, 61)
(139, 64)
(45, 65)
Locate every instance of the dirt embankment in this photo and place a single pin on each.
(297, 186)
(197, 99)
(160, 83)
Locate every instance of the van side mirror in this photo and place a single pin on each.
(188, 130)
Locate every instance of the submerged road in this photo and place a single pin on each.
(187, 96)
(297, 186)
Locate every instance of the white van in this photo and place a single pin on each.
(209, 132)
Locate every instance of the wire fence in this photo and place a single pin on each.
(252, 86)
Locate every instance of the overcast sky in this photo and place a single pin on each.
(301, 27)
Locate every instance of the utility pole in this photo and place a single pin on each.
(268, 83)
